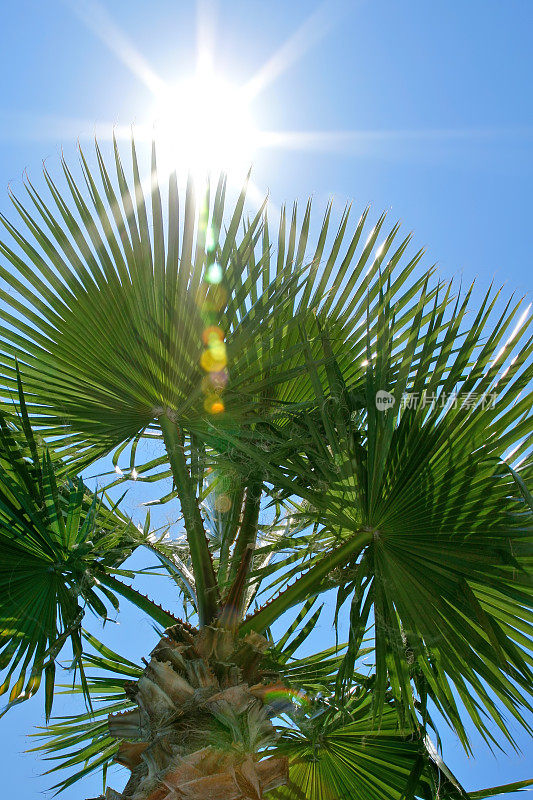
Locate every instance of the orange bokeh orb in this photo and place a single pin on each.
(213, 405)
(212, 334)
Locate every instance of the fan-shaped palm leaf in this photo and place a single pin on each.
(337, 752)
(441, 527)
(60, 548)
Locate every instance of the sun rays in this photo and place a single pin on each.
(202, 123)
(311, 31)
(96, 18)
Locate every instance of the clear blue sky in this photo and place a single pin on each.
(431, 109)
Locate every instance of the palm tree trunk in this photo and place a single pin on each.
(202, 721)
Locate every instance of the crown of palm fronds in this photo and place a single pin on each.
(319, 376)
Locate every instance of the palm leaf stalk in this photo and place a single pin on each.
(255, 371)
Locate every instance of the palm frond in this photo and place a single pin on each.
(82, 743)
(442, 573)
(508, 788)
(337, 752)
(59, 547)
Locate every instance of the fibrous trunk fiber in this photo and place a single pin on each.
(202, 722)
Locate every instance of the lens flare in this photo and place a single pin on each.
(223, 503)
(218, 351)
(214, 273)
(214, 382)
(213, 404)
(210, 240)
(219, 379)
(212, 333)
(280, 697)
(213, 361)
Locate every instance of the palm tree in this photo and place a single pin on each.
(330, 419)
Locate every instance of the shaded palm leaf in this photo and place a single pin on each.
(442, 528)
(59, 549)
(337, 752)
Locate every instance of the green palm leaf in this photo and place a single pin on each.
(494, 791)
(413, 513)
(107, 318)
(82, 743)
(337, 752)
(109, 300)
(434, 529)
(59, 545)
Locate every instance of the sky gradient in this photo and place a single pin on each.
(422, 109)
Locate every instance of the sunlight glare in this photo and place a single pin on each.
(205, 125)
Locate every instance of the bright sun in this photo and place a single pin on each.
(205, 124)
